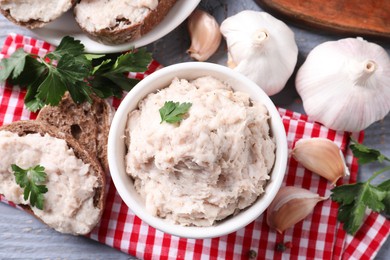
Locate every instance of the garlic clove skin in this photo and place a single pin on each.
(321, 156)
(291, 205)
(205, 35)
(262, 48)
(345, 84)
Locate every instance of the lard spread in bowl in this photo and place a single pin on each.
(207, 167)
(211, 173)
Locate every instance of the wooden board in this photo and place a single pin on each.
(350, 17)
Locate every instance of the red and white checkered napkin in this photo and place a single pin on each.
(319, 236)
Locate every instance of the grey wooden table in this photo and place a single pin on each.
(23, 237)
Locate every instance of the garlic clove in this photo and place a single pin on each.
(291, 205)
(344, 84)
(262, 48)
(205, 35)
(321, 156)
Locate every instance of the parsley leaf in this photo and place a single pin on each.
(73, 71)
(122, 82)
(81, 74)
(385, 186)
(103, 66)
(109, 73)
(68, 45)
(13, 66)
(173, 112)
(31, 100)
(34, 104)
(346, 194)
(355, 198)
(91, 57)
(99, 86)
(135, 61)
(51, 90)
(33, 69)
(365, 154)
(31, 180)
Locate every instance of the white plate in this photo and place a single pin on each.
(66, 25)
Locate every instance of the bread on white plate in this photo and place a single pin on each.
(34, 13)
(120, 21)
(75, 181)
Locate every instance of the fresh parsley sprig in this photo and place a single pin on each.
(174, 112)
(355, 198)
(68, 68)
(32, 181)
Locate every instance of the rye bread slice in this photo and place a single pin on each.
(26, 127)
(124, 29)
(88, 123)
(34, 14)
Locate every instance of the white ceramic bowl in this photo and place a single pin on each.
(160, 79)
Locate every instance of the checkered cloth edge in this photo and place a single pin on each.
(319, 236)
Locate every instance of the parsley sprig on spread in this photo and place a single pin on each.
(355, 198)
(68, 68)
(32, 181)
(173, 112)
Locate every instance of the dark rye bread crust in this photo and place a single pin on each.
(131, 32)
(32, 23)
(88, 123)
(26, 127)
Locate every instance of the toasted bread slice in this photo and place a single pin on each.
(87, 123)
(89, 206)
(115, 22)
(34, 14)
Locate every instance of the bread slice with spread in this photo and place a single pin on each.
(88, 123)
(75, 181)
(34, 14)
(120, 21)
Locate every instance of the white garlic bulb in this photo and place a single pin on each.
(261, 47)
(345, 84)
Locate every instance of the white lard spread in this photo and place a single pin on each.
(45, 10)
(89, 14)
(68, 204)
(211, 165)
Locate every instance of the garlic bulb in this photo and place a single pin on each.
(345, 84)
(262, 48)
(321, 156)
(205, 35)
(290, 206)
